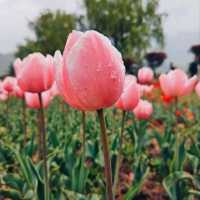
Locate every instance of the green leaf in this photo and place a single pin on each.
(14, 181)
(29, 194)
(24, 168)
(170, 182)
(82, 176)
(136, 187)
(54, 139)
(30, 148)
(11, 193)
(194, 193)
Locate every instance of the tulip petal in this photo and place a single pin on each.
(95, 71)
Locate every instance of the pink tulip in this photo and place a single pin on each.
(9, 84)
(145, 75)
(91, 73)
(3, 96)
(32, 99)
(90, 77)
(189, 86)
(197, 89)
(17, 66)
(2, 90)
(3, 93)
(146, 89)
(54, 90)
(35, 73)
(143, 110)
(130, 95)
(11, 87)
(18, 92)
(176, 83)
(71, 41)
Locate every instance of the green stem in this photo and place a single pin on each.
(7, 113)
(177, 159)
(39, 135)
(176, 104)
(119, 157)
(83, 133)
(44, 148)
(82, 178)
(64, 112)
(62, 106)
(24, 120)
(107, 163)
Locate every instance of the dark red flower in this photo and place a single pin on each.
(156, 84)
(167, 99)
(178, 113)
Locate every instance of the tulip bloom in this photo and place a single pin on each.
(146, 89)
(167, 99)
(17, 65)
(130, 95)
(54, 90)
(176, 83)
(11, 87)
(127, 102)
(3, 93)
(17, 91)
(32, 99)
(197, 89)
(145, 75)
(9, 84)
(156, 85)
(91, 77)
(35, 73)
(143, 110)
(91, 73)
(3, 97)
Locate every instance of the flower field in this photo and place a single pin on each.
(75, 126)
(160, 156)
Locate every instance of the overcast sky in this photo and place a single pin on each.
(181, 27)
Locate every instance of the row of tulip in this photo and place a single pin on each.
(90, 76)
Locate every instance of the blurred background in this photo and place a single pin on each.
(160, 33)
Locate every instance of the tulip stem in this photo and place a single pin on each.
(119, 157)
(39, 136)
(83, 132)
(24, 120)
(62, 106)
(64, 113)
(107, 163)
(82, 169)
(44, 148)
(7, 113)
(175, 104)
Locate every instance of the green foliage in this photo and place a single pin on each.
(70, 176)
(175, 168)
(51, 30)
(176, 185)
(131, 25)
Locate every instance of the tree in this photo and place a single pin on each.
(132, 25)
(51, 30)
